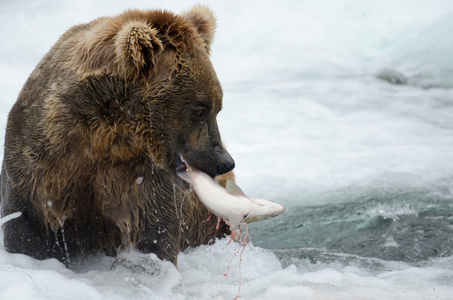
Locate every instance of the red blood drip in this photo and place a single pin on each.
(242, 238)
(218, 223)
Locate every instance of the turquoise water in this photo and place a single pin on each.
(410, 226)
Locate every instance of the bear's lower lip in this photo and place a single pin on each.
(181, 165)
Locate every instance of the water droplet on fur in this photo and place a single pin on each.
(182, 215)
(155, 241)
(139, 180)
(174, 197)
(49, 203)
(65, 245)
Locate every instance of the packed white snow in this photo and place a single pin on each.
(312, 115)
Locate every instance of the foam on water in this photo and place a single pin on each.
(334, 133)
(364, 166)
(200, 275)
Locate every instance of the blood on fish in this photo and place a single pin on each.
(218, 223)
(209, 218)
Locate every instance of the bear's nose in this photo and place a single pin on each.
(226, 163)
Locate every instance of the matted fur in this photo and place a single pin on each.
(92, 141)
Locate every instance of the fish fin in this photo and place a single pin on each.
(234, 220)
(234, 189)
(257, 201)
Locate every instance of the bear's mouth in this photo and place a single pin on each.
(181, 165)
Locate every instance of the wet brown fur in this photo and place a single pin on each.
(90, 142)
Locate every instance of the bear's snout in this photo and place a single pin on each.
(225, 162)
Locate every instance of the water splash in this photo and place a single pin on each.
(139, 180)
(151, 129)
(174, 197)
(10, 217)
(65, 245)
(182, 204)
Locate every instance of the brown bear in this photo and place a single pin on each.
(94, 142)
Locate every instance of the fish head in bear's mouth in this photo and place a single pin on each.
(181, 166)
(214, 163)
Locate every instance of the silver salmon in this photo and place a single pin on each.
(231, 203)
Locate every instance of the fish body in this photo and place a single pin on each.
(231, 203)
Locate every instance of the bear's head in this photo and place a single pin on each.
(169, 56)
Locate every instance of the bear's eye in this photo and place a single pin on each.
(202, 112)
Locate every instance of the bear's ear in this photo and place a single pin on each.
(136, 48)
(204, 21)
